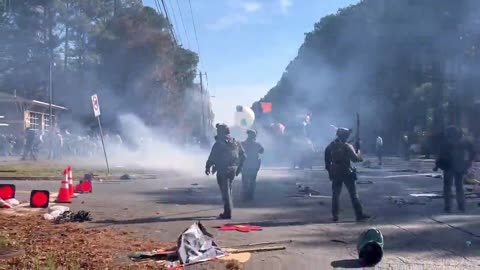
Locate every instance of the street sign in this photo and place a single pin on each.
(95, 105)
(96, 111)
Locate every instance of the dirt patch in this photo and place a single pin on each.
(69, 246)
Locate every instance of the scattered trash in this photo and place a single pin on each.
(364, 182)
(438, 176)
(240, 228)
(370, 247)
(159, 254)
(306, 190)
(261, 244)
(69, 216)
(4, 204)
(55, 211)
(125, 177)
(399, 201)
(426, 195)
(259, 249)
(13, 202)
(197, 245)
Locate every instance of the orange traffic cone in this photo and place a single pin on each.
(70, 182)
(64, 192)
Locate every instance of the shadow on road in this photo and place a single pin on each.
(346, 264)
(153, 220)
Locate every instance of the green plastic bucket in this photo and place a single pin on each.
(370, 247)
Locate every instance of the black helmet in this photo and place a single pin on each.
(343, 133)
(222, 129)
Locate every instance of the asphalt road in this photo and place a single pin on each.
(417, 235)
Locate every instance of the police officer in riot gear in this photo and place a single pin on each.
(253, 150)
(226, 159)
(455, 158)
(338, 157)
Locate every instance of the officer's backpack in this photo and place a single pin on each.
(339, 153)
(229, 152)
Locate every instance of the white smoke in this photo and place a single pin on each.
(150, 149)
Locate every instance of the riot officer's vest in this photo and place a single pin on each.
(229, 153)
(340, 159)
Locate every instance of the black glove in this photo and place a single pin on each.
(214, 170)
(207, 171)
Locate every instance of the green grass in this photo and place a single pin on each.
(54, 169)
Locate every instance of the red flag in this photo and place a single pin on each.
(266, 107)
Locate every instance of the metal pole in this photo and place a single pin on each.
(50, 122)
(103, 143)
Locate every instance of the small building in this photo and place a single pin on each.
(18, 113)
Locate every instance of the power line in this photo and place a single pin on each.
(157, 3)
(194, 27)
(183, 24)
(175, 27)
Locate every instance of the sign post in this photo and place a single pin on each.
(96, 112)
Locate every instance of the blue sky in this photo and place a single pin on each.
(245, 45)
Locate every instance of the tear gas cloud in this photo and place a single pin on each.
(143, 147)
(347, 71)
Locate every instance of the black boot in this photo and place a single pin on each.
(224, 216)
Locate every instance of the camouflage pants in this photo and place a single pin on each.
(224, 180)
(450, 177)
(337, 185)
(249, 180)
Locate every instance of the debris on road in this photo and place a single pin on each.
(426, 195)
(197, 245)
(253, 249)
(364, 182)
(240, 228)
(433, 175)
(125, 177)
(306, 190)
(156, 254)
(261, 244)
(4, 204)
(69, 216)
(399, 201)
(55, 211)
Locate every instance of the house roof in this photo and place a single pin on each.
(6, 97)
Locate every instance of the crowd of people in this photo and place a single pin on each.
(35, 144)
